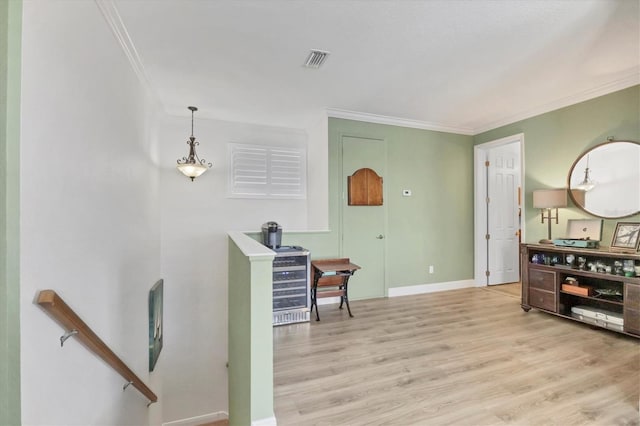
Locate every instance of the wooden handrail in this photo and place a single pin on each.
(63, 314)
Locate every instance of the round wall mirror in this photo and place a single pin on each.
(605, 181)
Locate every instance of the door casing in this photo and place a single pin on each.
(480, 194)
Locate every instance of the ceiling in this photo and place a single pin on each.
(454, 65)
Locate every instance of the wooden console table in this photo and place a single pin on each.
(547, 270)
(332, 285)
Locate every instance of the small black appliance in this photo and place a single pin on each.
(272, 235)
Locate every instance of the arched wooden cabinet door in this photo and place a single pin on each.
(365, 188)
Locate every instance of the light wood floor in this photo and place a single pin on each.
(512, 289)
(463, 357)
(224, 422)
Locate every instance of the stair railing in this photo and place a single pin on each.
(75, 326)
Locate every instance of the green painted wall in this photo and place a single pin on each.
(250, 337)
(432, 227)
(553, 141)
(435, 225)
(10, 45)
(261, 286)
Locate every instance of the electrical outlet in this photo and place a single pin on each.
(431, 269)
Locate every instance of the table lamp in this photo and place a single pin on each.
(545, 200)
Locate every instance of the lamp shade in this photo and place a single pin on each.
(579, 196)
(549, 198)
(192, 170)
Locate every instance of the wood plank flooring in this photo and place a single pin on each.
(511, 289)
(463, 357)
(223, 422)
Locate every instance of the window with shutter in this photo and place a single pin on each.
(257, 171)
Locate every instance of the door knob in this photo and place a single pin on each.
(380, 237)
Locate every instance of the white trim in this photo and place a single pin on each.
(622, 83)
(314, 231)
(295, 231)
(396, 121)
(250, 247)
(114, 22)
(431, 288)
(479, 215)
(198, 420)
(269, 421)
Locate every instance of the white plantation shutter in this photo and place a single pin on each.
(248, 170)
(267, 172)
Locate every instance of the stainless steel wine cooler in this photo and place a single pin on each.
(291, 276)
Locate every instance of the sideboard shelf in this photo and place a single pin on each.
(545, 268)
(597, 299)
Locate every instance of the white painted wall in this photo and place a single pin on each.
(318, 172)
(196, 217)
(105, 214)
(90, 218)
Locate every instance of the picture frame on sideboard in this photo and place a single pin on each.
(626, 237)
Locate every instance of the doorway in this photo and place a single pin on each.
(363, 227)
(498, 210)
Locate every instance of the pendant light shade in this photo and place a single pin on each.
(587, 184)
(192, 166)
(192, 170)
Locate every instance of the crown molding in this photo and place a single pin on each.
(114, 21)
(396, 121)
(624, 82)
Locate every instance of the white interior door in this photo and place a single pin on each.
(498, 210)
(503, 213)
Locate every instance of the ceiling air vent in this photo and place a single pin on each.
(316, 58)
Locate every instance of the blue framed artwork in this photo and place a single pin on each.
(155, 322)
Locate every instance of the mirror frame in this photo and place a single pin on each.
(580, 157)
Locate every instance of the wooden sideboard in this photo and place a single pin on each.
(545, 268)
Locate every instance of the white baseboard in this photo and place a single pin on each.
(220, 415)
(269, 421)
(198, 420)
(430, 288)
(415, 289)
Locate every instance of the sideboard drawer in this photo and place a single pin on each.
(544, 280)
(631, 321)
(542, 299)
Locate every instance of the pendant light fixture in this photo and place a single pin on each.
(192, 166)
(587, 184)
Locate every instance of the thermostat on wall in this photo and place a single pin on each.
(406, 193)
